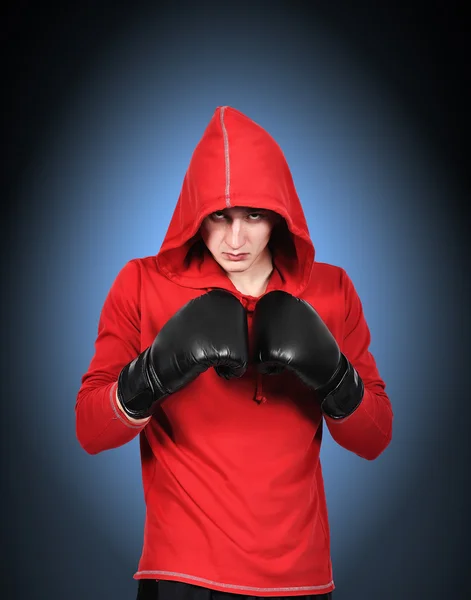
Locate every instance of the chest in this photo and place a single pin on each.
(160, 299)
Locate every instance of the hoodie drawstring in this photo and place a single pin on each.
(258, 396)
(249, 305)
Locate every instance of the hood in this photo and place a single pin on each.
(236, 163)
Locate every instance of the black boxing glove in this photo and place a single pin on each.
(209, 331)
(289, 334)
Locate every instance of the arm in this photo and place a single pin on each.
(124, 386)
(289, 333)
(367, 431)
(101, 423)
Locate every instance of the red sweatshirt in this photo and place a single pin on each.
(231, 472)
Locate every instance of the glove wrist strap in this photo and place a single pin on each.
(136, 393)
(342, 396)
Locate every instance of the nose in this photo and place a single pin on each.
(235, 236)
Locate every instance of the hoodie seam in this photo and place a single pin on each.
(202, 580)
(227, 163)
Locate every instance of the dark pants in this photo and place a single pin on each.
(149, 589)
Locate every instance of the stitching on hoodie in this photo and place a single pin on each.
(226, 159)
(304, 588)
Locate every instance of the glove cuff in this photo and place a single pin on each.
(342, 396)
(135, 391)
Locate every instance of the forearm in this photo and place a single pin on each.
(101, 423)
(367, 431)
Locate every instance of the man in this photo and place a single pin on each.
(225, 353)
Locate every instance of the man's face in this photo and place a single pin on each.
(238, 237)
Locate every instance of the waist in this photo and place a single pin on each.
(269, 534)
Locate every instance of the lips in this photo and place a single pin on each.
(235, 257)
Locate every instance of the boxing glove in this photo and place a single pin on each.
(289, 334)
(209, 331)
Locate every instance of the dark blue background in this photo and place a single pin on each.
(107, 105)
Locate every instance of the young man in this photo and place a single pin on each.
(226, 352)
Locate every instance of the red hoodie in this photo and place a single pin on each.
(232, 479)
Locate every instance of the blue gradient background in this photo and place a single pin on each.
(99, 187)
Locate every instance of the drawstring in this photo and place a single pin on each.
(258, 396)
(249, 305)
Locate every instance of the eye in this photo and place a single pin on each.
(255, 216)
(217, 216)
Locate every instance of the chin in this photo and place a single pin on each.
(233, 267)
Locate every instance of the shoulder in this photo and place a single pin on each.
(136, 268)
(328, 275)
(329, 279)
(141, 280)
(133, 274)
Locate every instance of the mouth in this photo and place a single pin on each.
(235, 257)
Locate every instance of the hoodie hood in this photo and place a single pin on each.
(236, 163)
